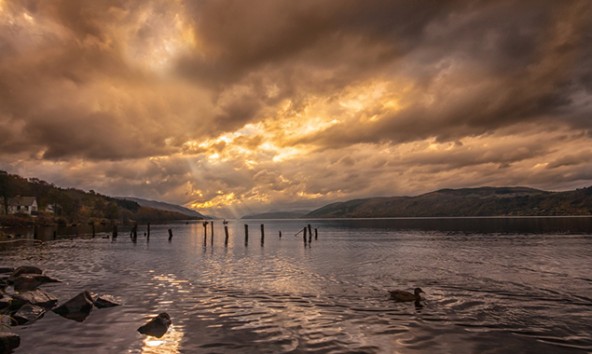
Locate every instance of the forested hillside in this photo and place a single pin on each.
(72, 204)
(485, 201)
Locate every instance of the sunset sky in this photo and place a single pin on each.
(236, 107)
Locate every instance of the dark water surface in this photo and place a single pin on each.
(518, 289)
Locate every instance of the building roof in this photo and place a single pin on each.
(22, 201)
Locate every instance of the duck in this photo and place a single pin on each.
(405, 296)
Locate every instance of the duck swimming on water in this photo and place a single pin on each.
(405, 296)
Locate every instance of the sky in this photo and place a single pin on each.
(234, 107)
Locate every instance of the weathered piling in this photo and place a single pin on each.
(212, 235)
(55, 234)
(92, 228)
(148, 231)
(262, 234)
(280, 233)
(170, 234)
(246, 234)
(316, 234)
(309, 230)
(205, 226)
(205, 239)
(304, 233)
(309, 235)
(35, 231)
(225, 235)
(114, 231)
(135, 232)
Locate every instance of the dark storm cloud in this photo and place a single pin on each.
(489, 67)
(523, 60)
(69, 83)
(242, 36)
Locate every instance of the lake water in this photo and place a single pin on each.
(492, 286)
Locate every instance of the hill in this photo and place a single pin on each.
(154, 204)
(75, 205)
(277, 215)
(484, 201)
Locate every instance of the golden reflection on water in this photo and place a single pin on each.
(170, 342)
(167, 344)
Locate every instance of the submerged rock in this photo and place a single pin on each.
(77, 308)
(5, 302)
(36, 297)
(28, 313)
(27, 282)
(157, 326)
(26, 270)
(9, 341)
(6, 321)
(103, 301)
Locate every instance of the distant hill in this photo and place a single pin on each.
(277, 215)
(75, 205)
(165, 206)
(484, 201)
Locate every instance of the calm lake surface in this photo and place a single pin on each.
(493, 286)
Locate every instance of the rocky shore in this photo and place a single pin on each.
(23, 302)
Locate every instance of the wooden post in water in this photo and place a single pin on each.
(55, 234)
(316, 234)
(262, 234)
(280, 234)
(246, 234)
(135, 232)
(35, 231)
(309, 236)
(304, 233)
(114, 231)
(170, 234)
(225, 235)
(212, 236)
(309, 230)
(148, 232)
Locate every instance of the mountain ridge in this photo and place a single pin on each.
(480, 201)
(160, 205)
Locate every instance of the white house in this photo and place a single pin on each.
(22, 205)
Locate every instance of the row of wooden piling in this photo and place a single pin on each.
(307, 232)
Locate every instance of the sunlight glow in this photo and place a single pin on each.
(164, 37)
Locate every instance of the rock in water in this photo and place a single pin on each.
(5, 302)
(9, 341)
(36, 297)
(77, 308)
(157, 326)
(6, 321)
(28, 313)
(26, 270)
(27, 282)
(103, 301)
